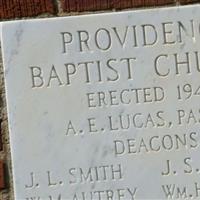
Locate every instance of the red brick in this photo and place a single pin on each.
(25, 8)
(189, 1)
(1, 142)
(2, 180)
(92, 5)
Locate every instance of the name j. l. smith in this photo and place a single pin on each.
(131, 42)
(105, 174)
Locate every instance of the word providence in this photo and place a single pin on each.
(121, 38)
(145, 35)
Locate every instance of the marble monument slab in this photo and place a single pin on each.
(105, 106)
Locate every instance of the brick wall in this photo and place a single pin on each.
(10, 9)
(16, 9)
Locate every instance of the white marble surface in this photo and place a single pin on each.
(124, 126)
